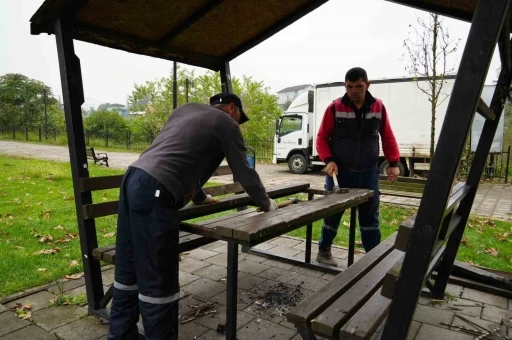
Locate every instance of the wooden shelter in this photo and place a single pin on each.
(211, 33)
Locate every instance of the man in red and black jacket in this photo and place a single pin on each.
(348, 142)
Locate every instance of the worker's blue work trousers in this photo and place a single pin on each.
(146, 265)
(368, 212)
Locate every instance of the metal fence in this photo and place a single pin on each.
(497, 168)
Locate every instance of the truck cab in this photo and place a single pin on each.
(293, 142)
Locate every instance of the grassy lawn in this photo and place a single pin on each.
(38, 228)
(486, 242)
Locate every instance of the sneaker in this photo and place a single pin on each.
(325, 257)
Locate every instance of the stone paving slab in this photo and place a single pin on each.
(9, 323)
(31, 332)
(205, 281)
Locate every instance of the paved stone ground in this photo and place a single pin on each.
(492, 200)
(202, 279)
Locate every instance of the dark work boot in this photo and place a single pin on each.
(324, 256)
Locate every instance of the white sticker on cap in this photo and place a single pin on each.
(157, 193)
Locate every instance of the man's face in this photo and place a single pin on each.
(234, 112)
(356, 90)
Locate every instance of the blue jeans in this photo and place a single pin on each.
(368, 211)
(146, 265)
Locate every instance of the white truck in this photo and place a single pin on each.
(409, 112)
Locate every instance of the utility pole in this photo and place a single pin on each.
(45, 115)
(174, 86)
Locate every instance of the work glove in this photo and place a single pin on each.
(273, 205)
(209, 199)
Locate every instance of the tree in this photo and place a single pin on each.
(102, 124)
(22, 101)
(428, 47)
(155, 98)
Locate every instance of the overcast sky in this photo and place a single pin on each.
(318, 48)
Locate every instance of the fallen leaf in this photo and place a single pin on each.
(74, 277)
(346, 224)
(23, 314)
(464, 240)
(109, 234)
(356, 251)
(46, 215)
(19, 247)
(41, 269)
(359, 243)
(59, 227)
(47, 251)
(492, 251)
(73, 263)
(46, 238)
(69, 198)
(40, 203)
(72, 235)
(63, 240)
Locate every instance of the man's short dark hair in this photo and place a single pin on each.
(356, 73)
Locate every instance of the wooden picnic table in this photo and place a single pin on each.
(250, 227)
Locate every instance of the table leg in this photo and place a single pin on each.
(309, 237)
(352, 236)
(232, 289)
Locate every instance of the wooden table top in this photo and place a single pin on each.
(250, 227)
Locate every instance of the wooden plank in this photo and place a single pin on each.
(222, 171)
(484, 110)
(95, 210)
(457, 196)
(312, 306)
(207, 228)
(367, 319)
(401, 193)
(384, 178)
(388, 285)
(256, 227)
(330, 321)
(218, 190)
(473, 273)
(189, 211)
(404, 233)
(100, 183)
(187, 241)
(227, 203)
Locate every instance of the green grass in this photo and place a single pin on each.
(36, 202)
(486, 243)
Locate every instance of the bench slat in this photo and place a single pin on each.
(100, 183)
(388, 286)
(330, 321)
(96, 210)
(224, 189)
(405, 179)
(367, 319)
(222, 170)
(312, 306)
(187, 242)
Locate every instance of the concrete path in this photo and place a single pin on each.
(492, 200)
(203, 279)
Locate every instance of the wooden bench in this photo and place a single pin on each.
(187, 241)
(99, 158)
(402, 187)
(356, 302)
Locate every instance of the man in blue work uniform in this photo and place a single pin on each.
(170, 173)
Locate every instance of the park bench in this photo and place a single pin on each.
(402, 187)
(355, 303)
(99, 158)
(233, 197)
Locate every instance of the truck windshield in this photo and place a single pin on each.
(290, 124)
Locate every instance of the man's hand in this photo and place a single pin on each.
(393, 173)
(331, 168)
(209, 199)
(273, 205)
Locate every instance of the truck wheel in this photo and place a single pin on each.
(297, 164)
(384, 168)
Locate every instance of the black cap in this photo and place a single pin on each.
(226, 98)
